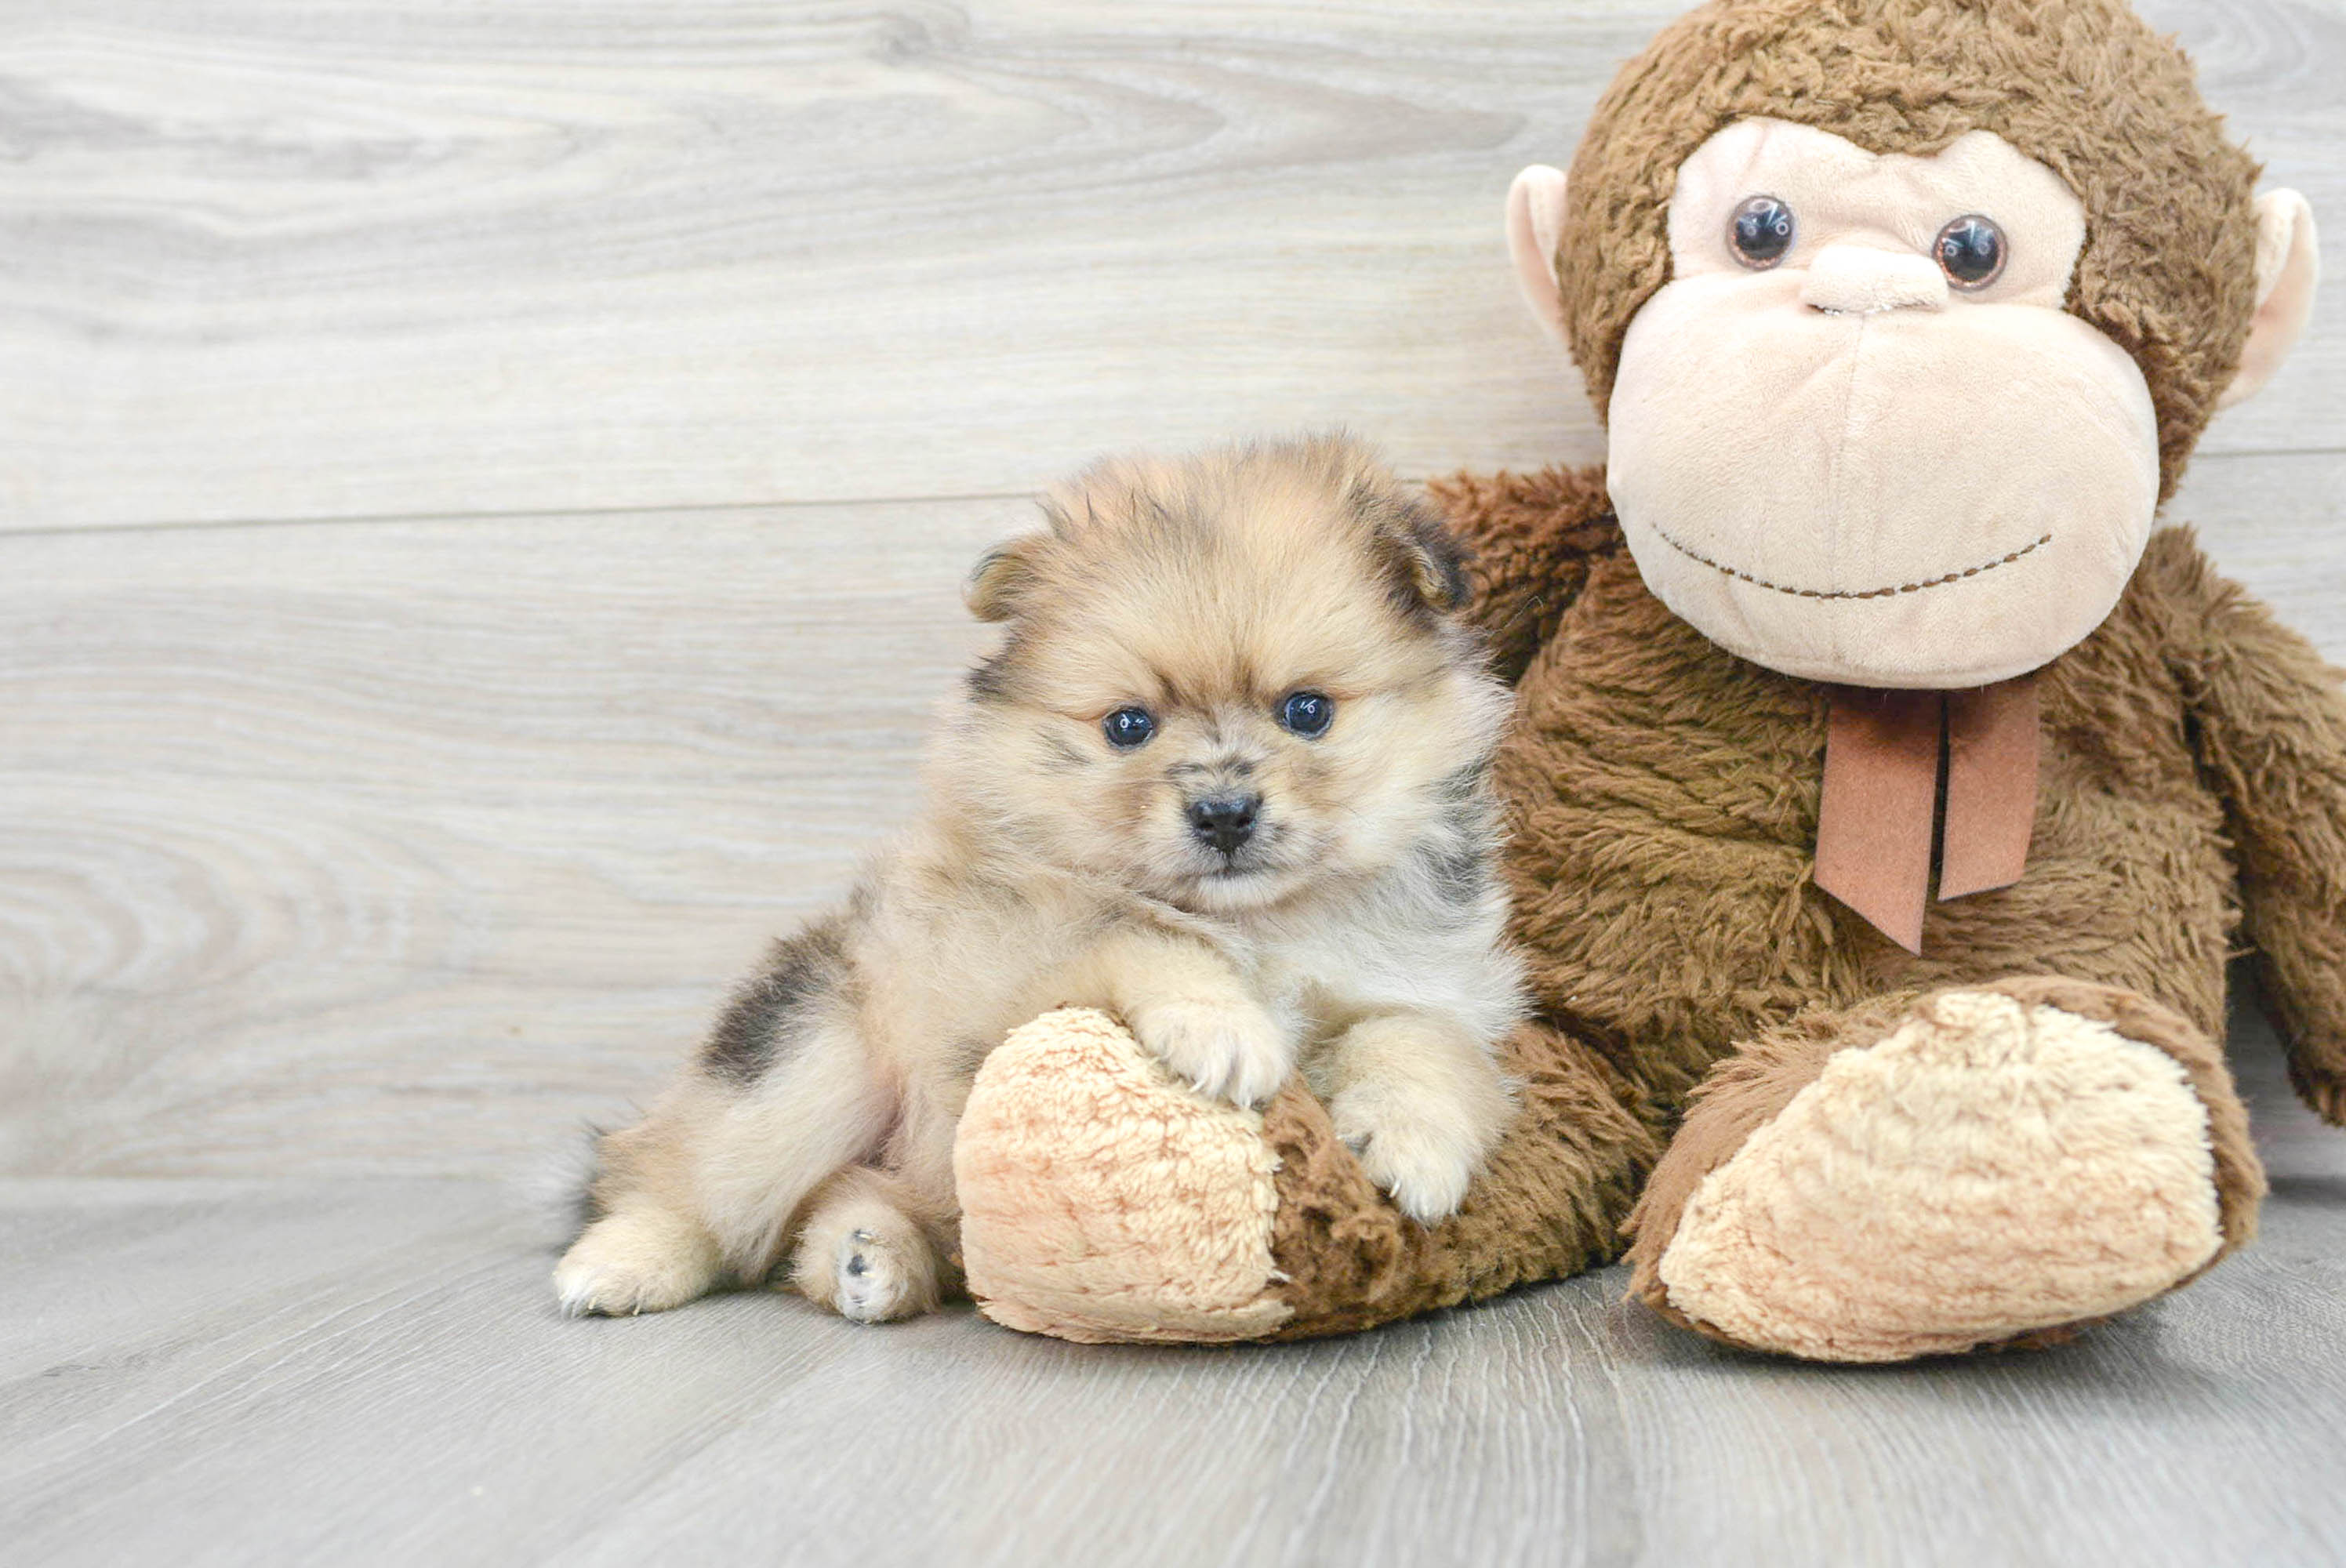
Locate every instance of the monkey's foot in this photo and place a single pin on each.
(1102, 1200)
(1993, 1164)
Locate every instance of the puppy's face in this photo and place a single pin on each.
(1226, 680)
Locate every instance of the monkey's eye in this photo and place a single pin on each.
(1971, 252)
(1129, 726)
(1307, 713)
(1759, 232)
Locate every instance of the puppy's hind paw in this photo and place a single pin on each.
(1425, 1166)
(874, 1268)
(876, 1283)
(630, 1263)
(1232, 1051)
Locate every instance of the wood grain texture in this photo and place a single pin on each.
(397, 841)
(271, 258)
(372, 1372)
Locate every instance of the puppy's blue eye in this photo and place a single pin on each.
(1306, 712)
(1128, 728)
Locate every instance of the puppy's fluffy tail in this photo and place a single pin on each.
(552, 1187)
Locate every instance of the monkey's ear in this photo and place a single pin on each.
(1004, 577)
(1534, 225)
(2289, 264)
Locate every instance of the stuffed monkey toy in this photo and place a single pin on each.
(1887, 787)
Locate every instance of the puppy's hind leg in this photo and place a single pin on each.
(810, 1117)
(869, 1249)
(707, 1186)
(879, 1237)
(783, 1095)
(646, 1250)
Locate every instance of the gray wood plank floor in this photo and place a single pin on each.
(483, 490)
(305, 1371)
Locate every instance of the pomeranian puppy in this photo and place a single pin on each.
(1224, 777)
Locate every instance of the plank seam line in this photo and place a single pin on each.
(519, 514)
(550, 514)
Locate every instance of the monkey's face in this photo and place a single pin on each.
(1856, 437)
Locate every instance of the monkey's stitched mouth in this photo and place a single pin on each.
(1941, 582)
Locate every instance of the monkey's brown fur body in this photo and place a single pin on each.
(1665, 801)
(1824, 1144)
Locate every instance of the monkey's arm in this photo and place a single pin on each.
(1532, 538)
(2272, 734)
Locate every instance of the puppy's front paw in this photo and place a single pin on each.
(1232, 1050)
(1423, 1158)
(630, 1263)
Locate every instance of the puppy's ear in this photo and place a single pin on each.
(1428, 566)
(1005, 577)
(1437, 562)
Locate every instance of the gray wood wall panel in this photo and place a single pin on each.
(396, 837)
(277, 259)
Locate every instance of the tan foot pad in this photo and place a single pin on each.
(1101, 1200)
(1989, 1169)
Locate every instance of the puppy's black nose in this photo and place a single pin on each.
(1225, 821)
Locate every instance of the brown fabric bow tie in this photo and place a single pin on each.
(1883, 758)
